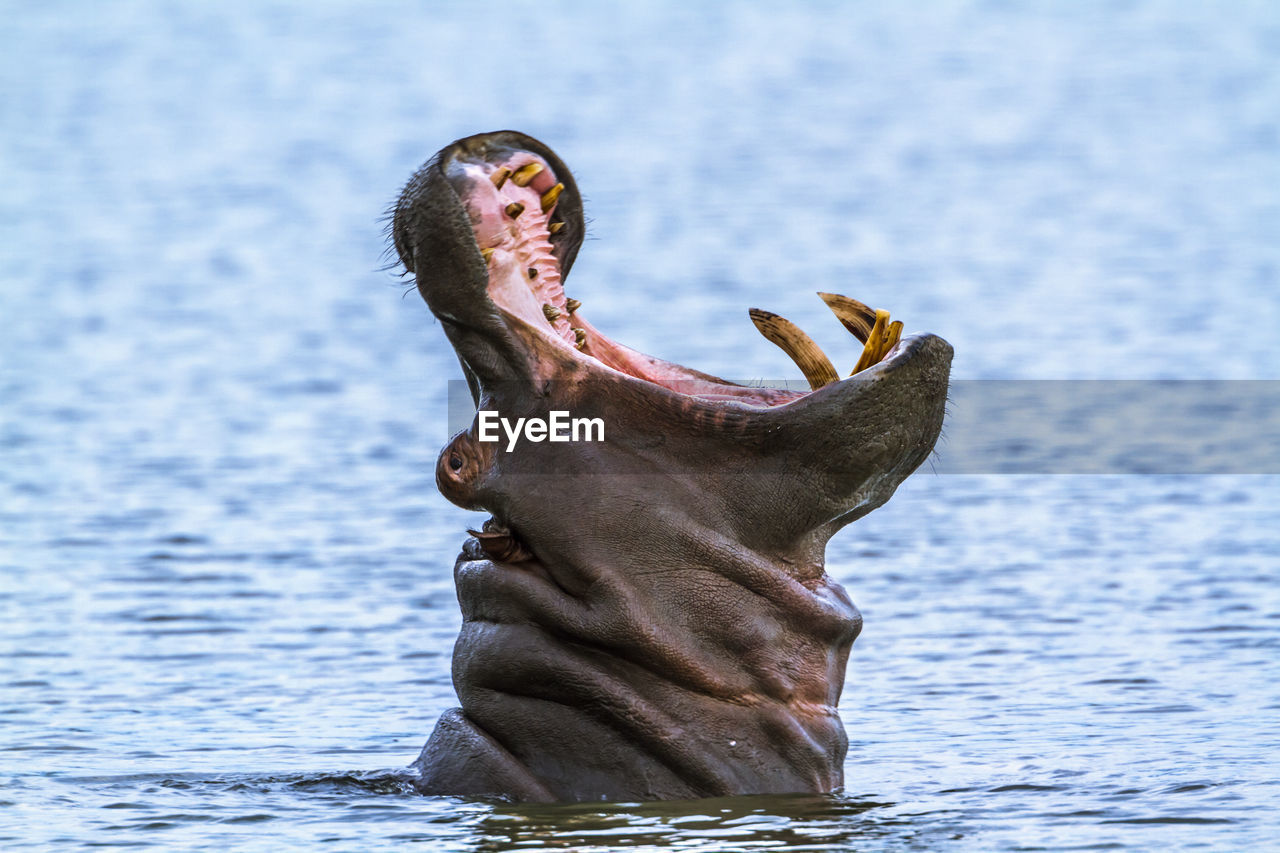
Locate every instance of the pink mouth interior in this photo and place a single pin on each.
(525, 276)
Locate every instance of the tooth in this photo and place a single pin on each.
(580, 336)
(533, 273)
(549, 197)
(875, 341)
(500, 177)
(551, 312)
(515, 209)
(855, 316)
(807, 355)
(526, 173)
(895, 335)
(556, 227)
(486, 254)
(572, 304)
(884, 338)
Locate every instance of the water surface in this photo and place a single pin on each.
(226, 609)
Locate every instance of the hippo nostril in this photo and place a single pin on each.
(455, 462)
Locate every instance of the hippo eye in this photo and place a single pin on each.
(455, 461)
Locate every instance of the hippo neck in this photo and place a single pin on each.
(649, 680)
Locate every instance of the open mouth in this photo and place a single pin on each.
(490, 228)
(526, 221)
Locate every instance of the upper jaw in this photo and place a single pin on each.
(435, 235)
(485, 152)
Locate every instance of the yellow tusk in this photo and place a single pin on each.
(872, 351)
(549, 197)
(486, 254)
(580, 336)
(891, 340)
(572, 304)
(556, 227)
(500, 177)
(855, 316)
(514, 209)
(526, 173)
(802, 349)
(551, 312)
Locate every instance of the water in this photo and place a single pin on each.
(226, 610)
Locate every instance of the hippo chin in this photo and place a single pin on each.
(648, 616)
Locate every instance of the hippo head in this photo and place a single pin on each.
(646, 616)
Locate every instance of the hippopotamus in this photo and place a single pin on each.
(646, 616)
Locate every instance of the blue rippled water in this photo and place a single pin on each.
(226, 608)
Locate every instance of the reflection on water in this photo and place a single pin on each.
(226, 609)
(715, 824)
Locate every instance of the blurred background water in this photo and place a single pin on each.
(226, 609)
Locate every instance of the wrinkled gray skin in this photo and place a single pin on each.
(674, 634)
